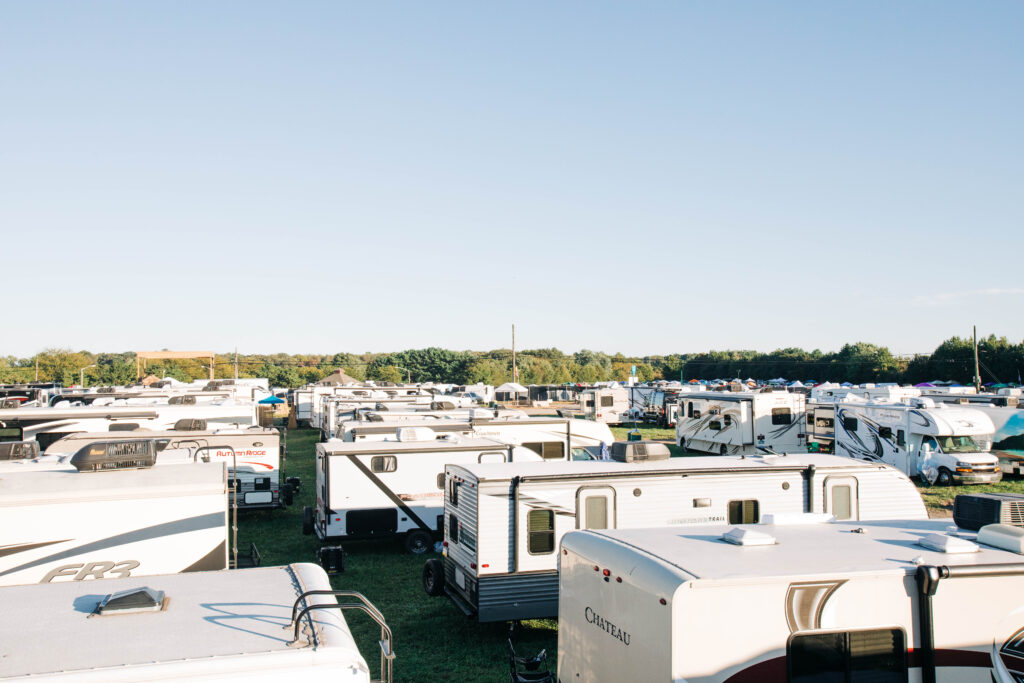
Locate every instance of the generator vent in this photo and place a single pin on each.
(975, 510)
(115, 455)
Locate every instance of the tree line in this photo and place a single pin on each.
(1000, 360)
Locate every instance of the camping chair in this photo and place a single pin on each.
(530, 675)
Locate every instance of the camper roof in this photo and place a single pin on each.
(208, 616)
(506, 471)
(338, 447)
(824, 548)
(49, 486)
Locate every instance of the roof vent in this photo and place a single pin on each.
(189, 425)
(1003, 536)
(794, 518)
(19, 450)
(132, 601)
(638, 451)
(416, 434)
(740, 536)
(115, 455)
(944, 543)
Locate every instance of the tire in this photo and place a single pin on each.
(419, 542)
(307, 520)
(945, 477)
(433, 577)
(287, 495)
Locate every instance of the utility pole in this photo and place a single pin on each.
(37, 367)
(236, 362)
(515, 369)
(977, 369)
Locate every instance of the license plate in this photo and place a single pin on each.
(460, 579)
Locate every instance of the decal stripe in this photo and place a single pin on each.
(22, 547)
(361, 466)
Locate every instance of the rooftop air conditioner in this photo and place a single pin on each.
(975, 510)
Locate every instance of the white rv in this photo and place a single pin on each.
(503, 522)
(47, 425)
(380, 489)
(841, 601)
(605, 404)
(741, 422)
(554, 438)
(256, 451)
(1007, 414)
(945, 444)
(60, 526)
(257, 625)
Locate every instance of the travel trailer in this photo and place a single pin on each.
(262, 625)
(605, 404)
(503, 522)
(256, 451)
(101, 520)
(741, 422)
(378, 489)
(554, 438)
(47, 425)
(337, 409)
(945, 444)
(840, 601)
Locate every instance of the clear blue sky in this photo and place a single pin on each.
(636, 177)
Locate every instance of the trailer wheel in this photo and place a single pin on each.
(307, 520)
(287, 494)
(433, 577)
(945, 477)
(418, 542)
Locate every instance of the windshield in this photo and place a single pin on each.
(959, 444)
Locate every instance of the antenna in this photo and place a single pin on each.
(515, 369)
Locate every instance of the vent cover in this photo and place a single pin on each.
(740, 536)
(132, 601)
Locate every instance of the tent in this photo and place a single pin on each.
(846, 384)
(795, 384)
(271, 400)
(924, 384)
(339, 377)
(511, 391)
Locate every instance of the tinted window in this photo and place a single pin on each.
(876, 656)
(781, 416)
(549, 450)
(715, 425)
(540, 528)
(440, 481)
(453, 528)
(607, 401)
(383, 463)
(850, 424)
(885, 432)
(744, 512)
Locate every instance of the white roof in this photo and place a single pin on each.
(507, 470)
(884, 547)
(339, 447)
(209, 616)
(514, 387)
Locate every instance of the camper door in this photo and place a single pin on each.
(595, 507)
(841, 499)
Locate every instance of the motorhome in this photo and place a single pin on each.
(257, 625)
(741, 422)
(503, 522)
(841, 601)
(1006, 410)
(554, 438)
(389, 488)
(605, 404)
(254, 458)
(47, 425)
(95, 522)
(945, 444)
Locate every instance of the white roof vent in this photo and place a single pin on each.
(1003, 536)
(944, 543)
(922, 403)
(131, 601)
(740, 536)
(416, 434)
(794, 518)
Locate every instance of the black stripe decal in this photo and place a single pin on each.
(361, 466)
(22, 547)
(181, 526)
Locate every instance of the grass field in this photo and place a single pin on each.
(433, 640)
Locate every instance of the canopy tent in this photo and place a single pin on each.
(511, 391)
(271, 400)
(924, 384)
(796, 383)
(846, 384)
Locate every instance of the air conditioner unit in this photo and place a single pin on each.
(975, 510)
(638, 451)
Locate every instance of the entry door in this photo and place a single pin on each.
(841, 497)
(595, 507)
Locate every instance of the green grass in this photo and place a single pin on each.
(651, 433)
(433, 641)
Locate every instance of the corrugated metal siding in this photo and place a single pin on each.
(887, 494)
(466, 513)
(518, 596)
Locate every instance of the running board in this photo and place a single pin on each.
(463, 606)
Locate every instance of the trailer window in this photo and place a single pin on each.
(440, 481)
(453, 528)
(607, 401)
(123, 427)
(850, 424)
(596, 512)
(878, 656)
(744, 512)
(540, 528)
(453, 492)
(383, 463)
(727, 420)
(842, 502)
(782, 416)
(810, 419)
(885, 432)
(715, 425)
(901, 437)
(549, 450)
(696, 415)
(689, 409)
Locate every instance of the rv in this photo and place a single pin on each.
(257, 452)
(338, 409)
(375, 489)
(1006, 411)
(741, 422)
(605, 404)
(93, 522)
(257, 625)
(840, 601)
(47, 425)
(503, 522)
(945, 444)
(554, 438)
